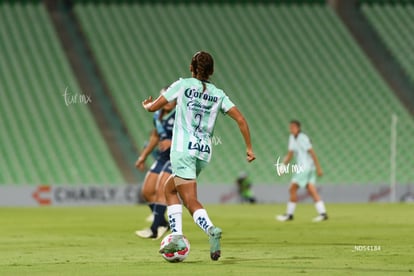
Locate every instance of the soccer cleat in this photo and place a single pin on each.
(177, 244)
(214, 240)
(145, 234)
(320, 218)
(284, 217)
(161, 231)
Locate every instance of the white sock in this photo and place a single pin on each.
(201, 218)
(290, 208)
(320, 207)
(175, 214)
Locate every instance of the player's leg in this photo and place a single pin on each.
(293, 192)
(291, 205)
(185, 185)
(148, 187)
(188, 193)
(170, 192)
(313, 192)
(148, 192)
(248, 196)
(160, 225)
(319, 204)
(174, 207)
(175, 212)
(187, 189)
(201, 218)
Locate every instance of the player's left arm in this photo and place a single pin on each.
(236, 115)
(316, 161)
(153, 106)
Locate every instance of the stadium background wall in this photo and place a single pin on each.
(291, 59)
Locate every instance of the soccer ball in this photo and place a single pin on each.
(178, 256)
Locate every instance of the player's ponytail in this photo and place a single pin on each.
(202, 66)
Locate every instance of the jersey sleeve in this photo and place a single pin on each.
(306, 143)
(173, 91)
(226, 104)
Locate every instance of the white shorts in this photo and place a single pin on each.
(304, 178)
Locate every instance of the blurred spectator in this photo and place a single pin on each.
(245, 188)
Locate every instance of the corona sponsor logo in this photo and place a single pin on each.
(192, 93)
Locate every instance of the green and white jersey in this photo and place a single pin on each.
(196, 114)
(300, 146)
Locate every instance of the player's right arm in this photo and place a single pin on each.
(153, 142)
(288, 157)
(236, 115)
(168, 96)
(290, 152)
(153, 106)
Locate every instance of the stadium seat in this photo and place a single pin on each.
(44, 140)
(394, 23)
(277, 62)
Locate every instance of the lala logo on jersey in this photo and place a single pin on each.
(199, 147)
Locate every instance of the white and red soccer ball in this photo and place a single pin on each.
(178, 256)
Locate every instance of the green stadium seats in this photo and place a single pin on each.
(277, 62)
(44, 140)
(394, 23)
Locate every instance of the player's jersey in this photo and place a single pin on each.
(196, 115)
(300, 147)
(164, 127)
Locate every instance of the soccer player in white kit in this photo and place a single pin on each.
(308, 164)
(198, 104)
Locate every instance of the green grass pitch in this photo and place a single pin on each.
(357, 239)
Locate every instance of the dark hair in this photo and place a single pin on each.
(295, 122)
(202, 65)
